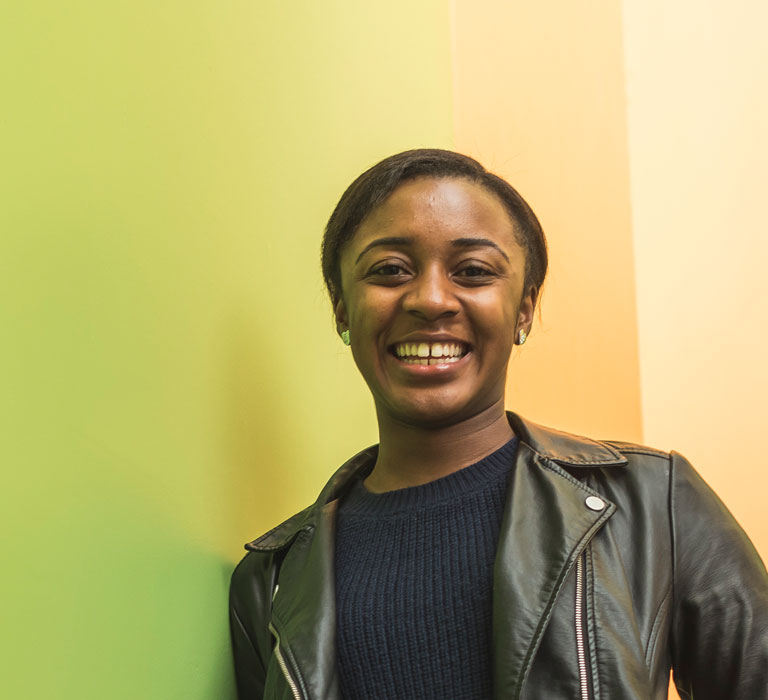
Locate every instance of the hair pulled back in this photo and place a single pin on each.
(371, 188)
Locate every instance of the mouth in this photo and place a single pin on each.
(430, 354)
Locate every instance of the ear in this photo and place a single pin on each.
(340, 314)
(525, 312)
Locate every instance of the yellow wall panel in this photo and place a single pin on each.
(171, 381)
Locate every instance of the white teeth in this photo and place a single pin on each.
(446, 351)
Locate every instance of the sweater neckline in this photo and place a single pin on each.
(457, 486)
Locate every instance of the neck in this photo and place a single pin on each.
(411, 455)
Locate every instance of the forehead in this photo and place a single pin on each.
(437, 209)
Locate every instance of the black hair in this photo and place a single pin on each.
(371, 188)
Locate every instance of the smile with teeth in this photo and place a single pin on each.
(429, 353)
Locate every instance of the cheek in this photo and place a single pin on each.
(495, 327)
(497, 314)
(371, 310)
(369, 321)
(364, 323)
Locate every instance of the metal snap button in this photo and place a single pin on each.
(595, 503)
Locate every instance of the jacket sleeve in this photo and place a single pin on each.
(249, 613)
(720, 590)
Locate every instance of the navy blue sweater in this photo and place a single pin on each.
(414, 577)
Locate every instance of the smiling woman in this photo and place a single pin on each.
(437, 264)
(472, 554)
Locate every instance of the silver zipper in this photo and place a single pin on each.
(580, 648)
(283, 666)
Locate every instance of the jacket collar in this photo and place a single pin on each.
(562, 448)
(565, 449)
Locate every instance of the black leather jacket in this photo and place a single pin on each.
(615, 562)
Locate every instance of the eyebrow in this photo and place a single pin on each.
(387, 241)
(477, 243)
(456, 243)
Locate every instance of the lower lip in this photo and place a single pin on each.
(437, 370)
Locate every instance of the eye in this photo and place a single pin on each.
(388, 270)
(475, 271)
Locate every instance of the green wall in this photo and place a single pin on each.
(171, 383)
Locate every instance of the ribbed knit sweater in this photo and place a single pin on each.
(414, 577)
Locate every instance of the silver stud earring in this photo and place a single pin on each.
(522, 336)
(345, 337)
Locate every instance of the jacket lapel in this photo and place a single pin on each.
(304, 604)
(546, 526)
(304, 608)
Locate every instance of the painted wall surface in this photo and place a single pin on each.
(649, 187)
(697, 86)
(539, 98)
(172, 384)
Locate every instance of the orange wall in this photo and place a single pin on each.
(698, 154)
(636, 131)
(545, 108)
(654, 317)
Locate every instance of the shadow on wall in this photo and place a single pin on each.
(133, 604)
(259, 402)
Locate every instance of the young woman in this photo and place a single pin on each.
(473, 554)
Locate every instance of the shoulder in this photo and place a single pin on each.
(634, 449)
(674, 466)
(255, 574)
(280, 536)
(638, 478)
(646, 461)
(578, 451)
(258, 567)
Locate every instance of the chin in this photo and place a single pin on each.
(430, 412)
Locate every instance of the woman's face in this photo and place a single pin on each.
(432, 294)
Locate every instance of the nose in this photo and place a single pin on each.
(431, 295)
